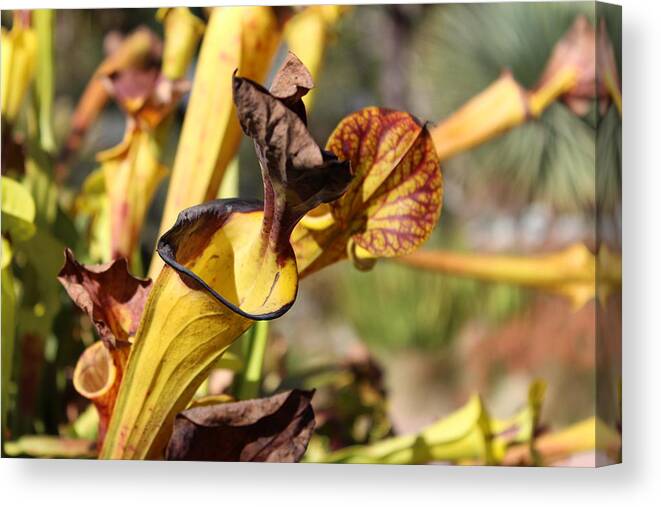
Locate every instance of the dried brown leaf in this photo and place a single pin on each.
(274, 429)
(298, 175)
(109, 294)
(291, 83)
(575, 52)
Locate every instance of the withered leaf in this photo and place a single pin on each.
(291, 83)
(145, 94)
(109, 294)
(140, 49)
(298, 175)
(576, 50)
(274, 429)
(132, 87)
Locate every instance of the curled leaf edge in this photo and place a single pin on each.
(167, 251)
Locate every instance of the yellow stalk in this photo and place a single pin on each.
(19, 59)
(43, 21)
(307, 34)
(557, 86)
(569, 272)
(243, 38)
(183, 31)
(587, 435)
(132, 173)
(497, 109)
(192, 330)
(569, 74)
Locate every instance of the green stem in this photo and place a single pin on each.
(8, 339)
(229, 187)
(137, 267)
(249, 383)
(44, 80)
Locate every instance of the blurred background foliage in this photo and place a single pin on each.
(436, 338)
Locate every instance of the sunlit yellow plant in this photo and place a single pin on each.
(468, 435)
(243, 38)
(228, 263)
(182, 33)
(133, 169)
(569, 75)
(375, 191)
(19, 59)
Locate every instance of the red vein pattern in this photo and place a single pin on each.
(395, 199)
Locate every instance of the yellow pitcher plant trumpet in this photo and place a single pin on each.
(227, 263)
(569, 75)
(19, 60)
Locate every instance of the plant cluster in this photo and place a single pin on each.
(224, 266)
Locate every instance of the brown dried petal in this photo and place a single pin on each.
(291, 83)
(298, 175)
(109, 294)
(132, 87)
(274, 429)
(145, 94)
(575, 50)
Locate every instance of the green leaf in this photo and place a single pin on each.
(6, 253)
(41, 291)
(460, 435)
(18, 210)
(44, 21)
(39, 183)
(86, 426)
(8, 332)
